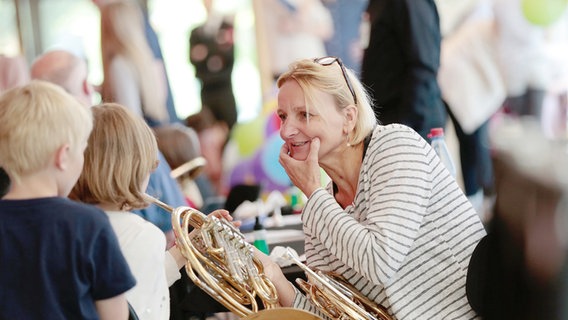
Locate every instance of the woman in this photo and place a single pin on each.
(392, 220)
(132, 77)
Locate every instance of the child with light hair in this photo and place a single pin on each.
(121, 153)
(59, 257)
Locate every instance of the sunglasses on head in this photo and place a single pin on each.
(326, 61)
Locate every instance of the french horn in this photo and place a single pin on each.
(335, 297)
(220, 261)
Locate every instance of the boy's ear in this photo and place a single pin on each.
(62, 157)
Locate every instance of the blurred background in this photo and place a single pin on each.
(30, 27)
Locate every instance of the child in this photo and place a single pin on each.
(181, 148)
(121, 154)
(59, 259)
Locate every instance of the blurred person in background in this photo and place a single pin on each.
(14, 72)
(525, 56)
(467, 53)
(66, 70)
(132, 76)
(156, 48)
(345, 42)
(401, 61)
(294, 29)
(180, 146)
(212, 53)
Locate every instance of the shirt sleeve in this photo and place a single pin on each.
(172, 271)
(302, 302)
(111, 273)
(393, 197)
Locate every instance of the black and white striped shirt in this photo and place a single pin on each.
(407, 240)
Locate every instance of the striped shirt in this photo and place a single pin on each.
(407, 239)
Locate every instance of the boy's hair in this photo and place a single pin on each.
(122, 152)
(179, 145)
(36, 120)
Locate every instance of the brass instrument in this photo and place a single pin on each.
(335, 297)
(220, 261)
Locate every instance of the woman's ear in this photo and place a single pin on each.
(351, 113)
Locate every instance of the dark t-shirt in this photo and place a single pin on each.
(56, 258)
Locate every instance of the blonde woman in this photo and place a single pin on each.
(392, 220)
(132, 76)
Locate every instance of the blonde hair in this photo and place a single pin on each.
(122, 34)
(122, 152)
(312, 77)
(36, 120)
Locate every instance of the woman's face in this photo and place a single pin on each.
(300, 125)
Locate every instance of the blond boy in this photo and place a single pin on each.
(59, 259)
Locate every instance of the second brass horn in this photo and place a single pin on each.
(335, 297)
(220, 261)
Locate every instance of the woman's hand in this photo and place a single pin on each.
(304, 174)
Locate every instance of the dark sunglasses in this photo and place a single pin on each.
(326, 61)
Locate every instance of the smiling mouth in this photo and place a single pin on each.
(299, 144)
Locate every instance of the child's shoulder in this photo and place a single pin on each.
(64, 208)
(54, 213)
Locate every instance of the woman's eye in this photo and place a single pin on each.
(282, 117)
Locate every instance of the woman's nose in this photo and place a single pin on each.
(287, 130)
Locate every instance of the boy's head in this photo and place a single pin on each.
(121, 154)
(42, 127)
(180, 145)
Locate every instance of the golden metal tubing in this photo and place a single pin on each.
(325, 292)
(220, 261)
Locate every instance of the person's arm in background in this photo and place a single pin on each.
(114, 308)
(154, 43)
(314, 17)
(125, 88)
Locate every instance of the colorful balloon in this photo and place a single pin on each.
(249, 136)
(543, 12)
(269, 154)
(272, 124)
(244, 173)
